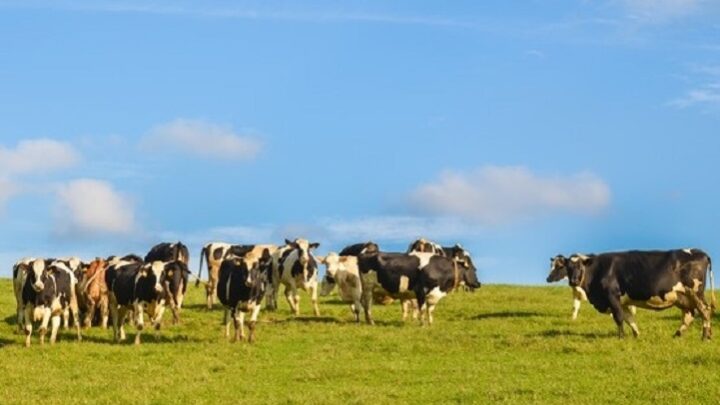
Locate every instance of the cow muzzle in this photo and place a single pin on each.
(38, 286)
(158, 289)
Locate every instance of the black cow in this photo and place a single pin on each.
(47, 294)
(648, 279)
(241, 288)
(168, 252)
(360, 248)
(423, 276)
(139, 287)
(175, 286)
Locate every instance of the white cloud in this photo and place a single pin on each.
(662, 10)
(708, 95)
(89, 207)
(395, 228)
(493, 195)
(200, 138)
(37, 155)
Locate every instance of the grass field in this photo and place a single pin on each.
(500, 344)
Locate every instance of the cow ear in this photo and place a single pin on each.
(314, 245)
(287, 242)
(587, 261)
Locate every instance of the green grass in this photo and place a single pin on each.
(499, 344)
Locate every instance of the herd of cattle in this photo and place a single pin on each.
(55, 291)
(125, 289)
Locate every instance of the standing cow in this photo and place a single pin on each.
(47, 294)
(242, 280)
(426, 277)
(20, 271)
(93, 293)
(213, 254)
(648, 279)
(343, 272)
(294, 266)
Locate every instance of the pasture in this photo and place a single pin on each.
(499, 344)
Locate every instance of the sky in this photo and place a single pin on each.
(519, 129)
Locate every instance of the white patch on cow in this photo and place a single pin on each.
(688, 251)
(435, 295)
(404, 282)
(424, 258)
(579, 293)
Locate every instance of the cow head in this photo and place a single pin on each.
(370, 248)
(35, 275)
(332, 265)
(577, 267)
(423, 245)
(156, 272)
(304, 248)
(558, 268)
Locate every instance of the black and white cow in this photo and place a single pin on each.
(140, 287)
(175, 286)
(343, 272)
(357, 249)
(426, 277)
(20, 271)
(241, 288)
(558, 272)
(213, 253)
(423, 245)
(47, 294)
(168, 252)
(648, 279)
(294, 266)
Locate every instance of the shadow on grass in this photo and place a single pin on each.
(507, 314)
(11, 320)
(554, 333)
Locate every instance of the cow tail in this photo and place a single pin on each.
(713, 300)
(202, 256)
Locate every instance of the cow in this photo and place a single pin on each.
(423, 245)
(139, 287)
(241, 287)
(213, 254)
(426, 277)
(343, 272)
(357, 249)
(20, 270)
(558, 272)
(294, 266)
(175, 286)
(47, 295)
(654, 280)
(168, 252)
(93, 293)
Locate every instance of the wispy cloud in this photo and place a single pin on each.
(662, 10)
(37, 155)
(88, 207)
(210, 10)
(705, 94)
(495, 195)
(203, 139)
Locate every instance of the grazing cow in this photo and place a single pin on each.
(20, 270)
(360, 249)
(168, 252)
(648, 279)
(242, 280)
(93, 293)
(295, 267)
(423, 245)
(343, 272)
(213, 253)
(424, 276)
(47, 294)
(138, 287)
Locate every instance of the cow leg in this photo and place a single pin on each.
(405, 305)
(139, 309)
(66, 318)
(226, 321)
(158, 311)
(104, 312)
(55, 327)
(576, 308)
(47, 312)
(119, 324)
(253, 322)
(629, 318)
(704, 309)
(238, 323)
(89, 313)
(314, 298)
(618, 315)
(28, 323)
(366, 303)
(290, 297)
(20, 317)
(687, 320)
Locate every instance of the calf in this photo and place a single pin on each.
(138, 287)
(213, 254)
(295, 267)
(241, 282)
(648, 279)
(424, 276)
(343, 272)
(47, 294)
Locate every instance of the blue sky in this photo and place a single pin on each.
(521, 130)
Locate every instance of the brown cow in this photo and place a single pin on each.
(94, 292)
